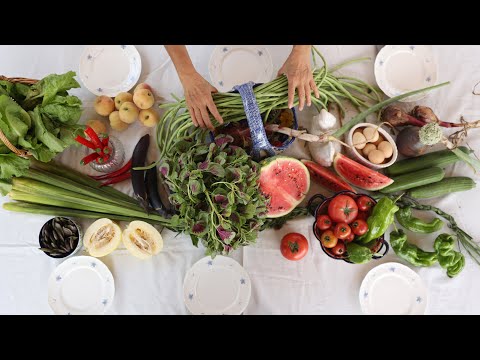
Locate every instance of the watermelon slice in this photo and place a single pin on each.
(285, 182)
(359, 175)
(328, 179)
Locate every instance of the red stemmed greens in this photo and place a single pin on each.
(214, 188)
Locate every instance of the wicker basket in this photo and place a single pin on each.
(3, 138)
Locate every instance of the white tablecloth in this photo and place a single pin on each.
(314, 285)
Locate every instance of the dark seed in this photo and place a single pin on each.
(55, 236)
(71, 241)
(67, 231)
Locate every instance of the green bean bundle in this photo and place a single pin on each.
(176, 124)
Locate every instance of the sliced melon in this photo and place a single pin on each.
(359, 175)
(102, 237)
(284, 181)
(142, 240)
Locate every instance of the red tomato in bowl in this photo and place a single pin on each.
(342, 208)
(365, 203)
(342, 231)
(339, 249)
(328, 239)
(359, 227)
(324, 222)
(350, 238)
(294, 246)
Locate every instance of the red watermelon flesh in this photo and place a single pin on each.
(327, 178)
(285, 182)
(359, 175)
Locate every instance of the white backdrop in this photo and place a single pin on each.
(314, 285)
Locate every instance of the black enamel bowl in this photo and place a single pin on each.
(322, 209)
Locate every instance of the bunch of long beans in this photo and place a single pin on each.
(176, 124)
(52, 189)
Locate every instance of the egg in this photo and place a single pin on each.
(371, 134)
(359, 140)
(376, 156)
(369, 147)
(386, 148)
(380, 139)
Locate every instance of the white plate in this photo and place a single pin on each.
(218, 286)
(232, 65)
(393, 289)
(110, 69)
(81, 285)
(403, 68)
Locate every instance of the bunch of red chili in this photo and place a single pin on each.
(115, 176)
(100, 146)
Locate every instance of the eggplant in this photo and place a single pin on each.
(138, 176)
(151, 183)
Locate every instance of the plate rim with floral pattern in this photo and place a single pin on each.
(205, 265)
(429, 62)
(135, 69)
(218, 55)
(419, 301)
(57, 275)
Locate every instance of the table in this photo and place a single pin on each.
(314, 285)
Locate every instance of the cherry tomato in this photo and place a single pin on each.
(362, 215)
(359, 227)
(339, 249)
(328, 239)
(342, 208)
(324, 222)
(364, 203)
(350, 238)
(342, 231)
(294, 246)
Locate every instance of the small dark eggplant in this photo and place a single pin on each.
(153, 195)
(138, 176)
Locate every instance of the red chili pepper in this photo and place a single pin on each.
(99, 160)
(117, 179)
(105, 157)
(89, 158)
(94, 137)
(85, 142)
(106, 150)
(115, 173)
(105, 140)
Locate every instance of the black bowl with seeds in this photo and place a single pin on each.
(59, 237)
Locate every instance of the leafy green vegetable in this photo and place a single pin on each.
(214, 188)
(12, 165)
(40, 118)
(358, 254)
(5, 187)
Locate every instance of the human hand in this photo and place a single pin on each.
(198, 95)
(299, 75)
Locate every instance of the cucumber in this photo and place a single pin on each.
(441, 158)
(443, 187)
(414, 179)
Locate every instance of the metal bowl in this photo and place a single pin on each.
(322, 209)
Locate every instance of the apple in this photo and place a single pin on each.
(121, 98)
(116, 123)
(104, 105)
(148, 117)
(144, 99)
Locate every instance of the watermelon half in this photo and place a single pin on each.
(327, 178)
(284, 181)
(359, 175)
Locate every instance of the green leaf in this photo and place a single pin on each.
(65, 109)
(12, 165)
(51, 85)
(50, 140)
(216, 170)
(5, 187)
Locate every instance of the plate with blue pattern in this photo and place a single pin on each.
(232, 65)
(81, 285)
(393, 289)
(403, 68)
(218, 286)
(110, 69)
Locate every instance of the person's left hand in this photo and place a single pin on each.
(298, 69)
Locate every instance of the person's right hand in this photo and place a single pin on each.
(198, 95)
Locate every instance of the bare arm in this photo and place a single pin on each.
(298, 69)
(198, 91)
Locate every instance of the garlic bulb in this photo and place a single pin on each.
(323, 153)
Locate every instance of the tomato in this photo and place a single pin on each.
(342, 231)
(294, 246)
(324, 222)
(359, 227)
(339, 249)
(343, 208)
(328, 239)
(362, 215)
(364, 203)
(350, 238)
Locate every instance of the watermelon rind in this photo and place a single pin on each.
(267, 166)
